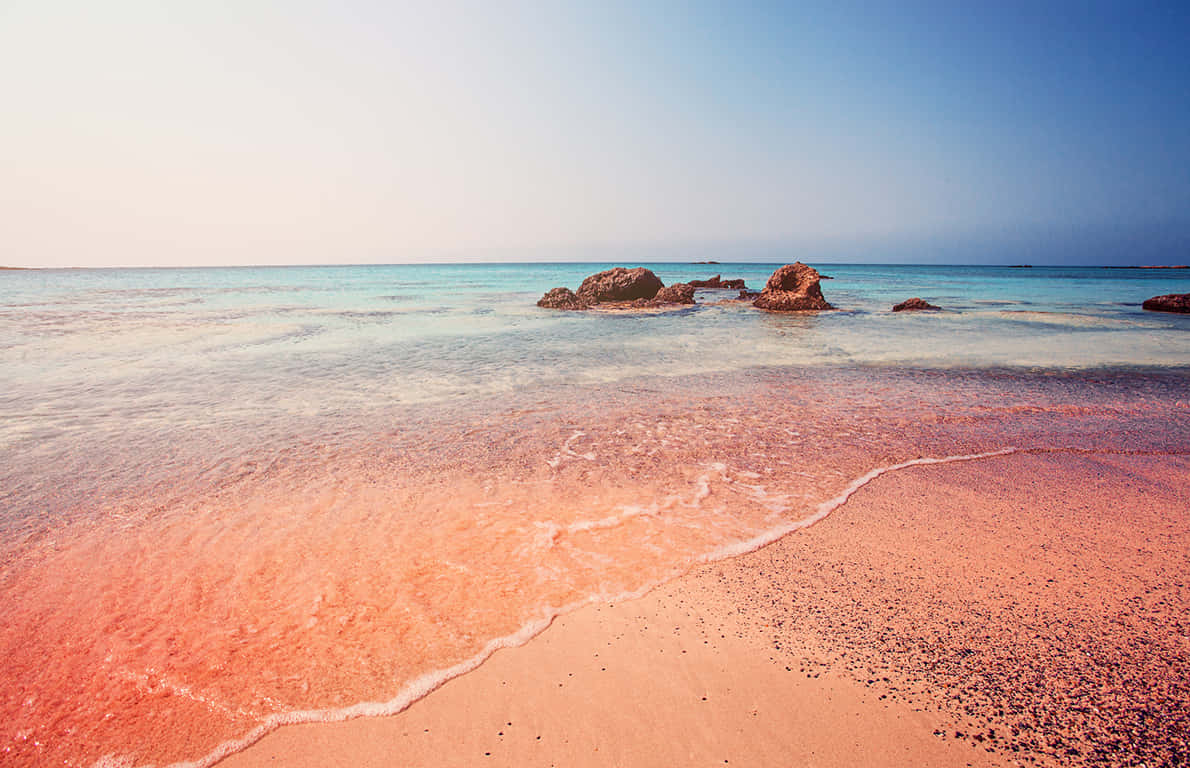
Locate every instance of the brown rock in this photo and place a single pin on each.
(619, 284)
(715, 282)
(562, 298)
(677, 293)
(792, 288)
(1171, 302)
(914, 304)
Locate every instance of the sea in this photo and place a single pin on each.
(237, 498)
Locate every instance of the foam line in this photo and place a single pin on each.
(418, 689)
(428, 682)
(826, 507)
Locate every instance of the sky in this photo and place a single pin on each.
(289, 132)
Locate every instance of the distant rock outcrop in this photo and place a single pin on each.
(792, 288)
(677, 293)
(562, 298)
(619, 284)
(914, 305)
(1170, 302)
(715, 282)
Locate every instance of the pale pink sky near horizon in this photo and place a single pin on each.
(139, 133)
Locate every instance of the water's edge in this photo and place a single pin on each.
(431, 681)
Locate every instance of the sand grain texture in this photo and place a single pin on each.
(1019, 610)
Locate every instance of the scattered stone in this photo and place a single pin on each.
(914, 305)
(620, 284)
(562, 298)
(747, 294)
(792, 288)
(1171, 302)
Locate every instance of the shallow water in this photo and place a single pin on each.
(232, 498)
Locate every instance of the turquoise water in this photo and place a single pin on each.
(133, 355)
(235, 498)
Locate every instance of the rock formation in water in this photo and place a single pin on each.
(914, 305)
(716, 282)
(677, 293)
(792, 288)
(562, 298)
(619, 288)
(1170, 302)
(620, 284)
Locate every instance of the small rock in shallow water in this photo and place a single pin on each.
(792, 288)
(1171, 302)
(678, 293)
(620, 284)
(914, 304)
(562, 298)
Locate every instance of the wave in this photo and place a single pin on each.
(428, 682)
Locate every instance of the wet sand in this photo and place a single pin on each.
(1024, 609)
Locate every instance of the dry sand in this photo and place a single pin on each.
(1028, 609)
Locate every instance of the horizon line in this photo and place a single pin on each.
(329, 265)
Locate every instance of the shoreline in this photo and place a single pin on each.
(630, 493)
(431, 681)
(754, 642)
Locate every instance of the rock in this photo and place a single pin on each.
(677, 293)
(1171, 302)
(914, 304)
(792, 288)
(562, 298)
(746, 294)
(619, 284)
(715, 282)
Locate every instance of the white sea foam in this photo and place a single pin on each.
(430, 681)
(568, 452)
(826, 507)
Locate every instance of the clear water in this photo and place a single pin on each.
(232, 498)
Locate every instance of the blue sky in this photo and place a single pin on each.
(299, 132)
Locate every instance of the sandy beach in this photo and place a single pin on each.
(1025, 609)
(595, 384)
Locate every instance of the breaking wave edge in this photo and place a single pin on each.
(427, 683)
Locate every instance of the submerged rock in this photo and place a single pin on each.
(914, 304)
(792, 288)
(1170, 302)
(620, 284)
(677, 293)
(562, 298)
